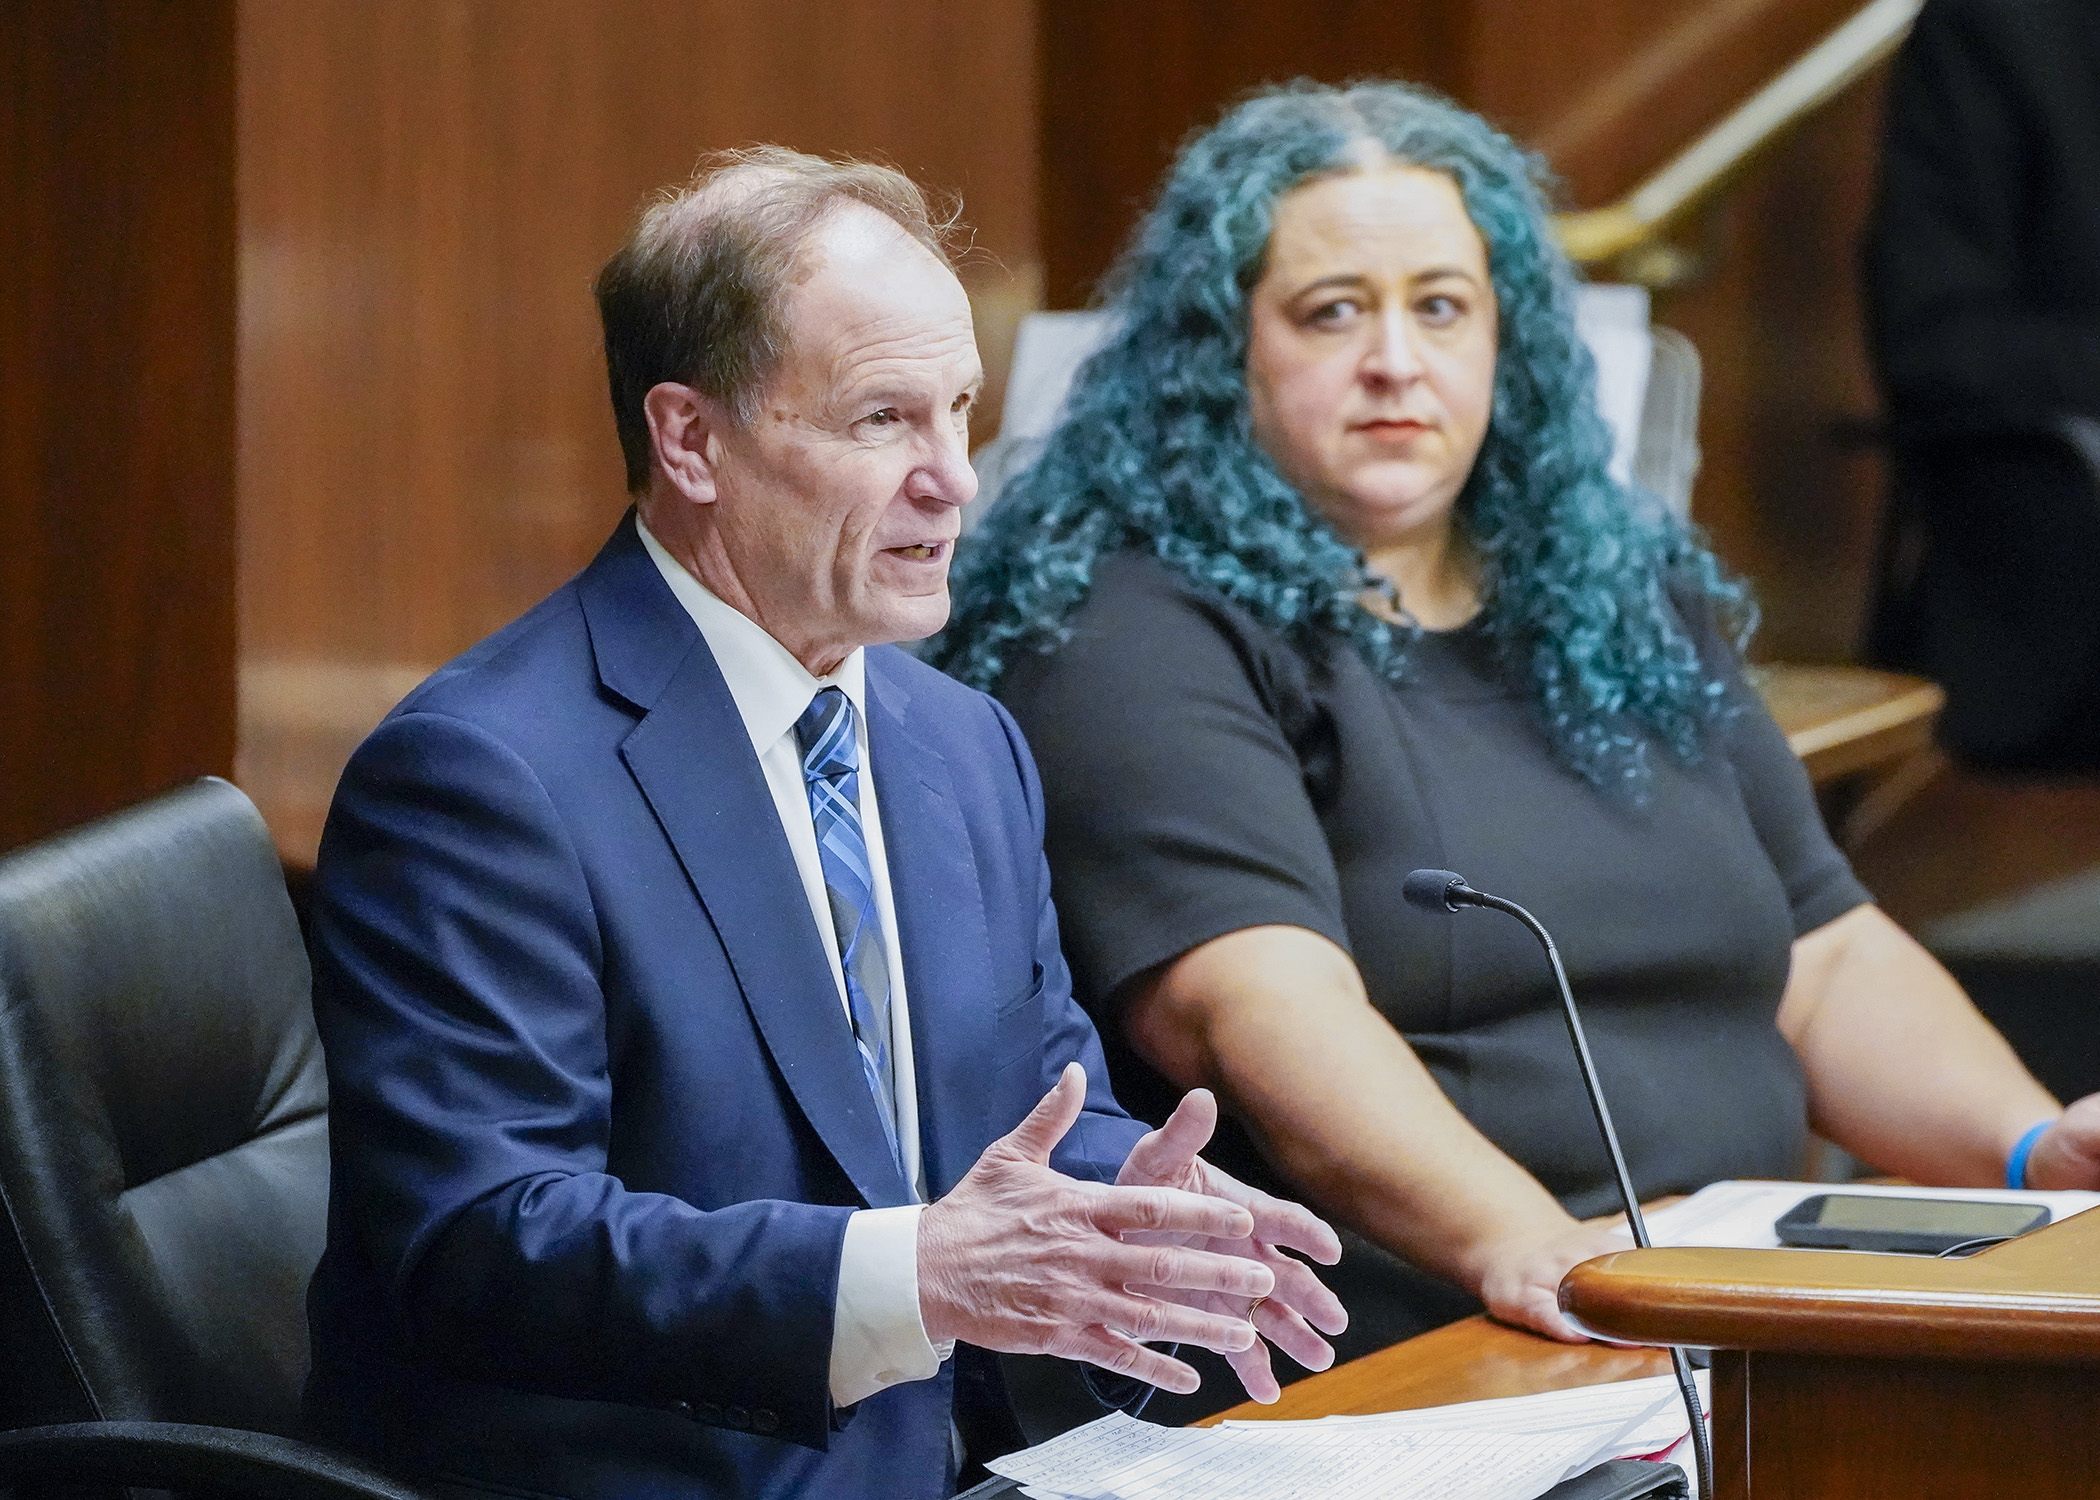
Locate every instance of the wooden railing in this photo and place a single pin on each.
(1631, 236)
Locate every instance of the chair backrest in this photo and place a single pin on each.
(1613, 322)
(163, 1122)
(1666, 452)
(1647, 391)
(1049, 348)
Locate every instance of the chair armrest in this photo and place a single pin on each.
(178, 1456)
(2082, 436)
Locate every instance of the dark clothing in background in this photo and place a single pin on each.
(1204, 776)
(1983, 283)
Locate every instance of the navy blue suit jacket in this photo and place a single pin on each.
(598, 1118)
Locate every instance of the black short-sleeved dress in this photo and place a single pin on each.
(1204, 776)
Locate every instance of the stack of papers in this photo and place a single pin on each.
(1513, 1449)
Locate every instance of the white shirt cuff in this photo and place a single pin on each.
(878, 1338)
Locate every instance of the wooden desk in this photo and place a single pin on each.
(1835, 1376)
(1471, 1360)
(1865, 737)
(1845, 719)
(1840, 1375)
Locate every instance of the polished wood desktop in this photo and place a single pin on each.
(1835, 1374)
(1470, 1360)
(1864, 735)
(1843, 720)
(1839, 1375)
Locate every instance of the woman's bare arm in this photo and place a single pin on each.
(1276, 1020)
(1906, 1075)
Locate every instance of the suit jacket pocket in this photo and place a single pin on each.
(1017, 1024)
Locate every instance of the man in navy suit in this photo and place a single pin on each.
(686, 965)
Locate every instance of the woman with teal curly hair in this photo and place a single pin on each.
(1156, 450)
(1322, 577)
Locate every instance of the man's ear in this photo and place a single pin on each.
(685, 433)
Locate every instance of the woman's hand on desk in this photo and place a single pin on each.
(1519, 1278)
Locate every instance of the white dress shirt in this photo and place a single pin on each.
(878, 1338)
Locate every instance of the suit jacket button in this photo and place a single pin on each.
(738, 1417)
(765, 1421)
(683, 1409)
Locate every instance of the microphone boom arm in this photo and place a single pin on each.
(1581, 1040)
(1444, 890)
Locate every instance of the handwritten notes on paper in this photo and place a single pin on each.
(1113, 1459)
(1512, 1449)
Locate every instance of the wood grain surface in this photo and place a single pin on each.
(1845, 719)
(1123, 84)
(117, 230)
(2035, 1299)
(426, 191)
(1470, 1360)
(1808, 1428)
(349, 299)
(1851, 1376)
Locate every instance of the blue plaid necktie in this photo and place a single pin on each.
(831, 774)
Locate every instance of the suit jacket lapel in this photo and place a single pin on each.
(941, 928)
(692, 759)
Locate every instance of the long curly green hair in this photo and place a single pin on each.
(1154, 452)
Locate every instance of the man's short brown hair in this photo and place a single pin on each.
(695, 294)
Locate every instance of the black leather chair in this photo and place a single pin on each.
(163, 1161)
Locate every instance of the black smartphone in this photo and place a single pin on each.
(1921, 1226)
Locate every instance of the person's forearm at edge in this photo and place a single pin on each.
(1276, 1020)
(1907, 1075)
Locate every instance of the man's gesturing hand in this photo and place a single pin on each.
(1023, 1259)
(1288, 1316)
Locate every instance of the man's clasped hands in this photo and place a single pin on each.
(1023, 1259)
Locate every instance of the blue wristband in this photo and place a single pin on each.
(2016, 1164)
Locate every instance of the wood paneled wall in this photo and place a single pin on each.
(1792, 488)
(116, 404)
(1791, 491)
(394, 222)
(1123, 84)
(426, 190)
(1611, 89)
(1608, 90)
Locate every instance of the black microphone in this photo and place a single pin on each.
(1447, 891)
